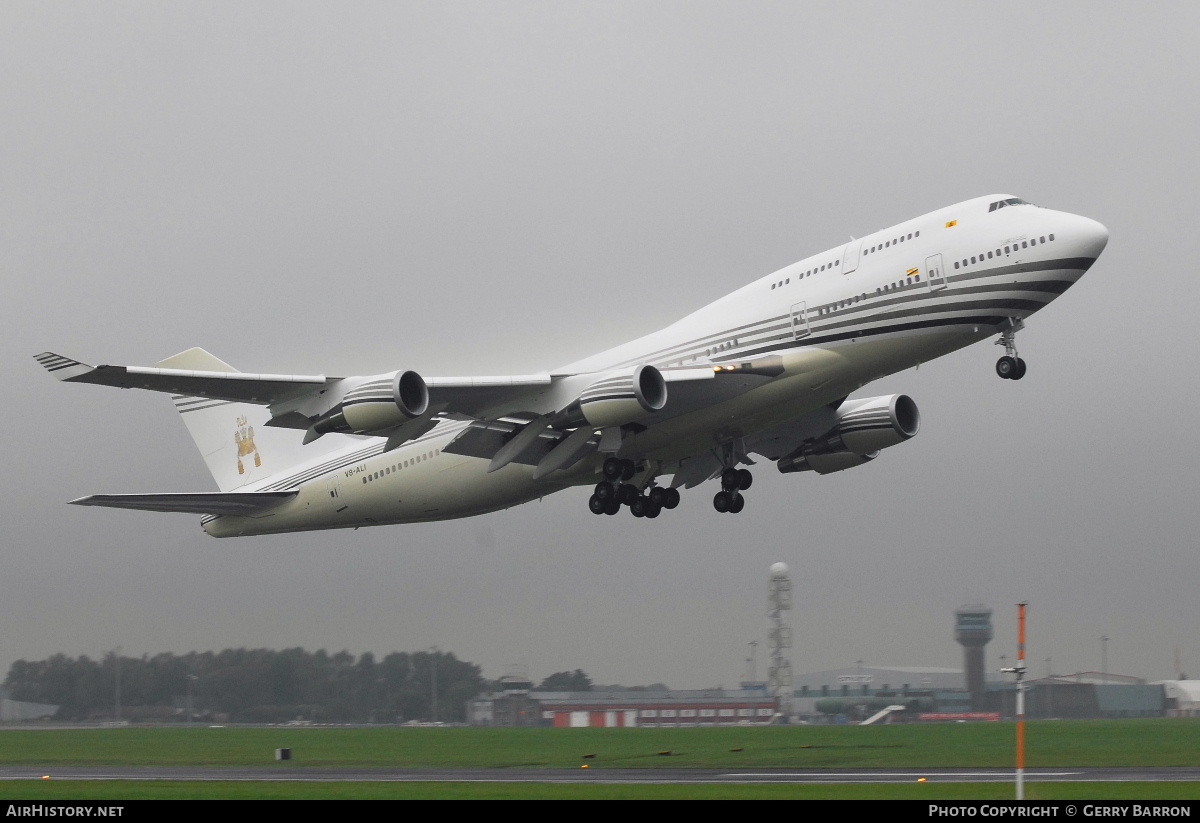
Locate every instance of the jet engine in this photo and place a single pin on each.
(378, 403)
(825, 463)
(616, 399)
(863, 428)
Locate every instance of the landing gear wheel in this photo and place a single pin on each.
(745, 478)
(1010, 366)
(639, 507)
(612, 506)
(596, 505)
(737, 503)
(613, 468)
(658, 496)
(722, 501)
(605, 491)
(627, 493)
(628, 470)
(653, 511)
(1007, 367)
(730, 479)
(672, 499)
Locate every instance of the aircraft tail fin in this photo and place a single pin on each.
(237, 445)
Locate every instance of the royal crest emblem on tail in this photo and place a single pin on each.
(243, 435)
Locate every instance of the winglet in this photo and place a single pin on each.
(64, 368)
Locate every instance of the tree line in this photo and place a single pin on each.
(253, 686)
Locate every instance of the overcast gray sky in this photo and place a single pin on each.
(502, 187)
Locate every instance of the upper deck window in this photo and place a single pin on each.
(1012, 201)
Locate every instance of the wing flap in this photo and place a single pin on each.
(243, 503)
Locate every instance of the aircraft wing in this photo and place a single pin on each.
(463, 396)
(191, 503)
(478, 397)
(321, 404)
(234, 386)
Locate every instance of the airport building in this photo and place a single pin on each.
(852, 694)
(1183, 697)
(696, 707)
(18, 710)
(856, 692)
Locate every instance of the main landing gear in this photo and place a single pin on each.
(733, 481)
(613, 492)
(1010, 366)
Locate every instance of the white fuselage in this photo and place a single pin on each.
(837, 320)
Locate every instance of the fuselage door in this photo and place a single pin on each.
(800, 321)
(333, 488)
(934, 273)
(850, 256)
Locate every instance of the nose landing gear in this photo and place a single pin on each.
(1010, 366)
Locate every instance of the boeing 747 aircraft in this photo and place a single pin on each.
(765, 371)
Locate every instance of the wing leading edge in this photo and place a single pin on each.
(234, 386)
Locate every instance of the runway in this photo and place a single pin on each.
(598, 775)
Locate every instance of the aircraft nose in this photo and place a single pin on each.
(1093, 236)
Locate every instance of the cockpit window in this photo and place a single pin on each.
(1012, 201)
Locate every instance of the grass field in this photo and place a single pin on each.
(1152, 742)
(118, 790)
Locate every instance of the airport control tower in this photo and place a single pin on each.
(973, 629)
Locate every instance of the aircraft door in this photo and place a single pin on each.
(333, 487)
(934, 273)
(850, 256)
(800, 321)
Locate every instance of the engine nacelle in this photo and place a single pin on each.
(863, 428)
(871, 424)
(617, 399)
(385, 401)
(825, 463)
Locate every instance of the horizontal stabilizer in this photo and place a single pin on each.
(191, 503)
(64, 368)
